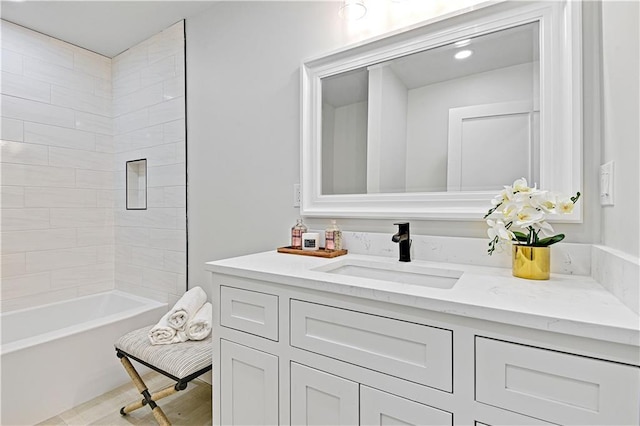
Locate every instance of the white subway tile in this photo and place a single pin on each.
(11, 197)
(12, 130)
(83, 276)
(42, 239)
(38, 299)
(175, 261)
(138, 290)
(106, 254)
(24, 219)
(25, 285)
(155, 197)
(27, 110)
(173, 88)
(94, 179)
(31, 175)
(175, 196)
(181, 218)
(127, 236)
(159, 155)
(93, 123)
(96, 236)
(105, 143)
(59, 136)
(167, 111)
(181, 286)
(25, 87)
(30, 43)
(147, 257)
(168, 239)
(59, 197)
(80, 101)
(55, 74)
(139, 99)
(49, 260)
(123, 253)
(13, 264)
(11, 61)
(128, 273)
(132, 121)
(170, 175)
(106, 198)
(103, 88)
(131, 60)
(150, 218)
(167, 45)
(81, 217)
(159, 280)
(86, 290)
(78, 159)
(123, 85)
(23, 153)
(174, 131)
(91, 63)
(142, 138)
(159, 71)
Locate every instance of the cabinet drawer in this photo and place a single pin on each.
(381, 408)
(554, 386)
(402, 349)
(249, 311)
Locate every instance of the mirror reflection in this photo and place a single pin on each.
(459, 117)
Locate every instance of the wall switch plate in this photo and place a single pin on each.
(296, 195)
(606, 184)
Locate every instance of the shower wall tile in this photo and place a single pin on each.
(25, 87)
(59, 197)
(11, 130)
(22, 153)
(57, 154)
(44, 134)
(149, 117)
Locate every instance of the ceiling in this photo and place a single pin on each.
(105, 27)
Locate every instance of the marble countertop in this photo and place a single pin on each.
(570, 304)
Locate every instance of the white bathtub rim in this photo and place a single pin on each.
(146, 305)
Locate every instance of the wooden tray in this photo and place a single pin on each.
(321, 252)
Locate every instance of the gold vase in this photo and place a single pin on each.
(532, 263)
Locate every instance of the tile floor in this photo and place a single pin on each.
(189, 407)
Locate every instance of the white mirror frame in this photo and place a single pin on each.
(560, 106)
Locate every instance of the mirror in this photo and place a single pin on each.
(408, 126)
(430, 121)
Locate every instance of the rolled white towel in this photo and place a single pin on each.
(163, 334)
(186, 308)
(199, 327)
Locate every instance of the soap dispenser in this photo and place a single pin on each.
(333, 237)
(296, 234)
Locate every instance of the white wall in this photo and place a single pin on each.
(57, 170)
(428, 119)
(149, 123)
(621, 131)
(243, 103)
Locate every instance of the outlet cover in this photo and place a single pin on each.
(606, 184)
(296, 195)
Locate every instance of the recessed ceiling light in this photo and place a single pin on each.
(352, 10)
(462, 43)
(463, 54)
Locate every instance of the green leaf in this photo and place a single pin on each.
(546, 242)
(520, 236)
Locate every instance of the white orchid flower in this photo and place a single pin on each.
(545, 228)
(565, 206)
(498, 229)
(544, 201)
(528, 216)
(520, 185)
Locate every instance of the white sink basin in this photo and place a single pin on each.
(405, 273)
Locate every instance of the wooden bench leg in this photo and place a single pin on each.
(149, 399)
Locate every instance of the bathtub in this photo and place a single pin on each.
(56, 356)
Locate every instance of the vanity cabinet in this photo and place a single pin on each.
(297, 352)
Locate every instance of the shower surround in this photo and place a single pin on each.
(70, 120)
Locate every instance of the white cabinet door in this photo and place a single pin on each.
(380, 409)
(248, 385)
(319, 398)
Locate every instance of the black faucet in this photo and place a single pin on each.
(402, 237)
